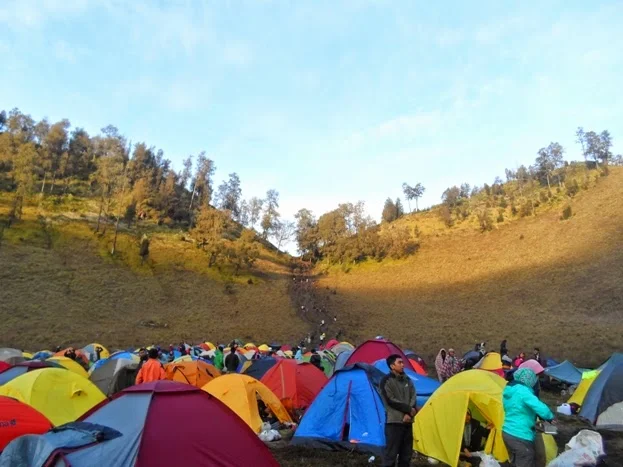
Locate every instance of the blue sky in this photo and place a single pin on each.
(326, 101)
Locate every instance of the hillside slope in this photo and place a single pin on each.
(60, 286)
(537, 281)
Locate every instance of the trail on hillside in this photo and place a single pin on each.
(315, 309)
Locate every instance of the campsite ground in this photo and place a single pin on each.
(567, 427)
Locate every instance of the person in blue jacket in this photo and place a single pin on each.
(521, 408)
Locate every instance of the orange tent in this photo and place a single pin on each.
(19, 419)
(295, 384)
(196, 373)
(418, 368)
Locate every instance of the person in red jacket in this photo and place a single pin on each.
(152, 369)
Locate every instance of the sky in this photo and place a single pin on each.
(326, 101)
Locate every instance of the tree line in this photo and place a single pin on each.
(131, 182)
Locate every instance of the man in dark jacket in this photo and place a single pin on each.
(231, 360)
(398, 394)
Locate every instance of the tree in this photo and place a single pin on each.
(255, 210)
(390, 212)
(306, 232)
(548, 160)
(202, 182)
(57, 145)
(243, 217)
(210, 230)
(595, 146)
(271, 215)
(451, 197)
(465, 190)
(23, 176)
(110, 165)
(229, 194)
(283, 232)
(400, 210)
(413, 192)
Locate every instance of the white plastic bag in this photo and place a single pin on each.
(270, 435)
(487, 459)
(584, 449)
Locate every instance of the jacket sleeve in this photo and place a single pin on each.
(538, 407)
(139, 376)
(390, 397)
(163, 374)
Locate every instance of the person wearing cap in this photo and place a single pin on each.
(521, 408)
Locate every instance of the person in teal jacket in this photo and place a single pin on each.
(521, 407)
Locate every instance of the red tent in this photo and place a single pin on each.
(170, 423)
(418, 368)
(295, 384)
(19, 419)
(4, 366)
(331, 343)
(373, 350)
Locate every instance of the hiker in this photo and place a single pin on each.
(519, 360)
(503, 348)
(142, 355)
(399, 398)
(473, 436)
(322, 336)
(218, 357)
(316, 360)
(521, 407)
(451, 365)
(439, 361)
(298, 356)
(152, 369)
(537, 356)
(98, 353)
(232, 360)
(70, 353)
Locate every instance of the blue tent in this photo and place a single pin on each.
(258, 368)
(605, 392)
(424, 386)
(342, 358)
(121, 354)
(348, 413)
(51, 447)
(565, 372)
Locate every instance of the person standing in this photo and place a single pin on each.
(521, 408)
(504, 348)
(399, 398)
(231, 360)
(152, 370)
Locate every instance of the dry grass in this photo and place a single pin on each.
(64, 288)
(537, 281)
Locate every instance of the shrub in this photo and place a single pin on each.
(543, 197)
(446, 216)
(485, 221)
(573, 188)
(500, 216)
(514, 209)
(503, 203)
(525, 209)
(566, 212)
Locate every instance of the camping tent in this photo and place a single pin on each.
(327, 361)
(372, 350)
(61, 395)
(11, 356)
(603, 403)
(342, 358)
(424, 386)
(295, 384)
(80, 355)
(491, 362)
(240, 393)
(121, 354)
(411, 355)
(565, 372)
(24, 367)
(164, 423)
(588, 378)
(114, 375)
(70, 365)
(197, 373)
(19, 419)
(347, 413)
(90, 352)
(439, 426)
(337, 349)
(258, 368)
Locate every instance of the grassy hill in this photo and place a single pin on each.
(537, 281)
(60, 286)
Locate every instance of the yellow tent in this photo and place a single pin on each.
(27, 355)
(439, 425)
(491, 362)
(263, 348)
(90, 349)
(241, 392)
(60, 395)
(210, 345)
(580, 392)
(71, 365)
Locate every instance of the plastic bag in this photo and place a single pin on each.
(487, 460)
(270, 435)
(583, 449)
